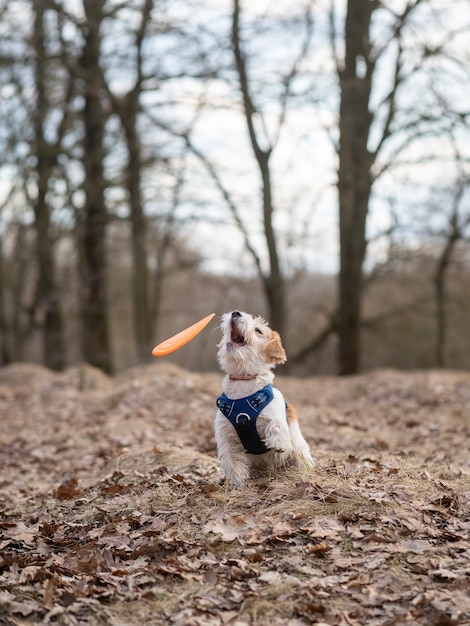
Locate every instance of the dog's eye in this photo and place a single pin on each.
(259, 331)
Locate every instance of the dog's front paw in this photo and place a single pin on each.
(241, 484)
(303, 459)
(238, 479)
(237, 473)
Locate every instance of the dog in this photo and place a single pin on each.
(254, 427)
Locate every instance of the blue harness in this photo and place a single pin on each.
(243, 414)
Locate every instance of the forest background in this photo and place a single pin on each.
(308, 161)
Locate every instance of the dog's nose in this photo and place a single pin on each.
(236, 314)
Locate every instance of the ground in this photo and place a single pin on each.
(113, 509)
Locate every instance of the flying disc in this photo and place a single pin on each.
(182, 338)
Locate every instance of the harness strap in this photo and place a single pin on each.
(243, 413)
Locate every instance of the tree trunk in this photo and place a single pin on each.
(127, 108)
(96, 344)
(142, 325)
(440, 290)
(140, 283)
(354, 180)
(274, 281)
(49, 301)
(19, 324)
(48, 295)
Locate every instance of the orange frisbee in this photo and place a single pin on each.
(181, 339)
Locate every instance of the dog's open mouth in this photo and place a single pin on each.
(236, 336)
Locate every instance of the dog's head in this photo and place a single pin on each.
(248, 345)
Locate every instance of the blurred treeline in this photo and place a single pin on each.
(160, 162)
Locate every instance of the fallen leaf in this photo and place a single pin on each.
(230, 527)
(69, 490)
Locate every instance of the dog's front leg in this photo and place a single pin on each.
(236, 468)
(275, 434)
(302, 455)
(231, 454)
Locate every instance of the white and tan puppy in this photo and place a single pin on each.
(254, 427)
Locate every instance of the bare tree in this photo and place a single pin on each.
(264, 131)
(128, 107)
(46, 153)
(272, 280)
(366, 131)
(354, 178)
(459, 222)
(35, 114)
(96, 340)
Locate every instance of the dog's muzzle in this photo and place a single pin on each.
(236, 335)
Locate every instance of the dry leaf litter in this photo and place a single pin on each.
(113, 509)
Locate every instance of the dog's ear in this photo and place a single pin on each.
(274, 349)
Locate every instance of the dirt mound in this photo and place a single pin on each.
(30, 374)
